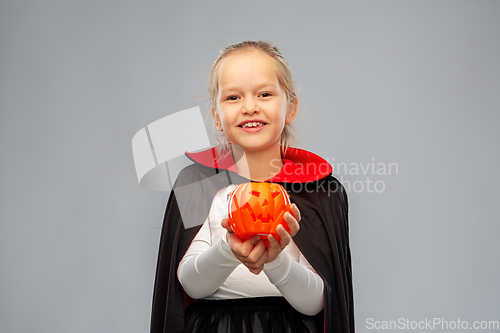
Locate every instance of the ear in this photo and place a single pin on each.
(292, 111)
(216, 119)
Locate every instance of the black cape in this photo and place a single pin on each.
(323, 237)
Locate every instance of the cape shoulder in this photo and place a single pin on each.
(299, 165)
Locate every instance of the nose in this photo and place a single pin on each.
(250, 106)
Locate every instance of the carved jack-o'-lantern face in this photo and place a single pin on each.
(257, 209)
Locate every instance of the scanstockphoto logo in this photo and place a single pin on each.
(370, 176)
(428, 324)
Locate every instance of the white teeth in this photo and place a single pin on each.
(254, 124)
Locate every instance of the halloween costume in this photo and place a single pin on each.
(209, 269)
(323, 237)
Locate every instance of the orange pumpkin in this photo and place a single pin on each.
(257, 208)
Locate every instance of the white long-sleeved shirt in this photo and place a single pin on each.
(209, 269)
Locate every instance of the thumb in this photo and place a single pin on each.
(225, 224)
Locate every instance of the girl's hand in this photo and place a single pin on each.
(253, 253)
(276, 247)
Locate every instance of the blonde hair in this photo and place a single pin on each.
(285, 80)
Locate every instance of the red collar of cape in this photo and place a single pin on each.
(299, 165)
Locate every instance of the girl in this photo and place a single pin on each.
(207, 279)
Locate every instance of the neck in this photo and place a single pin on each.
(258, 165)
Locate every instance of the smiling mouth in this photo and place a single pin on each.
(252, 124)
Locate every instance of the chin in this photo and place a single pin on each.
(256, 147)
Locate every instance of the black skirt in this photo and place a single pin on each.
(247, 315)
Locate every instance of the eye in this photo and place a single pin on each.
(266, 94)
(232, 98)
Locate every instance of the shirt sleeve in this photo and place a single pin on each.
(205, 267)
(298, 282)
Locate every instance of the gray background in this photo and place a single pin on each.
(409, 82)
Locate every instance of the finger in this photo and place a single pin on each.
(244, 249)
(274, 248)
(292, 223)
(255, 256)
(261, 254)
(284, 235)
(252, 262)
(274, 245)
(295, 212)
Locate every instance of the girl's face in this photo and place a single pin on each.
(250, 94)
